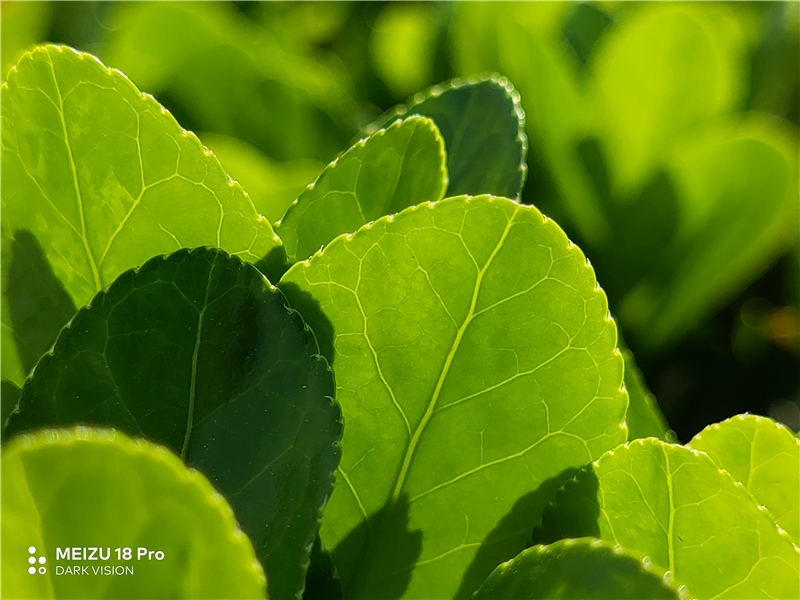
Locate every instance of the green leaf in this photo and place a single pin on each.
(674, 505)
(198, 352)
(762, 455)
(644, 417)
(474, 360)
(582, 569)
(99, 489)
(322, 582)
(391, 170)
(483, 126)
(104, 178)
(273, 186)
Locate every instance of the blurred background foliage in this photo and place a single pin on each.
(663, 139)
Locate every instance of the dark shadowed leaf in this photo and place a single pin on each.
(197, 351)
(483, 126)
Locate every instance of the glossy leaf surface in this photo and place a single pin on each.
(764, 457)
(582, 569)
(474, 360)
(391, 170)
(198, 352)
(99, 489)
(103, 178)
(674, 505)
(483, 124)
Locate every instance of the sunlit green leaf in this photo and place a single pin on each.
(764, 457)
(674, 505)
(474, 360)
(98, 489)
(483, 126)
(391, 170)
(579, 569)
(198, 352)
(102, 178)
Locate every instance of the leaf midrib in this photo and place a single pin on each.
(195, 355)
(412, 446)
(76, 184)
(671, 524)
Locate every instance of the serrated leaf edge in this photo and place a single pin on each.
(645, 564)
(572, 481)
(438, 89)
(149, 99)
(759, 420)
(725, 474)
(363, 142)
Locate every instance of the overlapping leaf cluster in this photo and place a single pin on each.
(478, 396)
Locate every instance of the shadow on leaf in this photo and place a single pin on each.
(383, 573)
(574, 511)
(511, 534)
(38, 304)
(274, 264)
(312, 314)
(322, 581)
